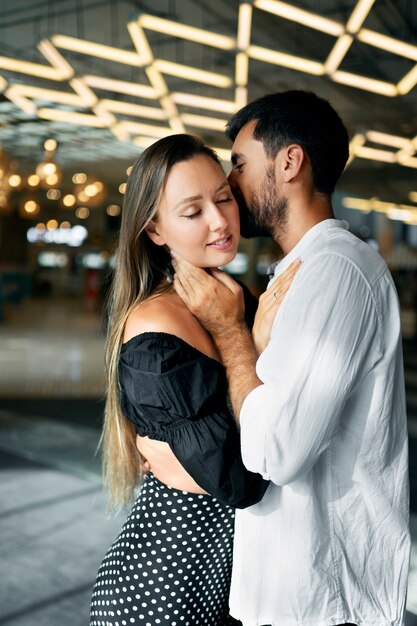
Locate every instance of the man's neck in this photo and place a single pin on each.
(300, 220)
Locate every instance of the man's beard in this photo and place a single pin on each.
(267, 212)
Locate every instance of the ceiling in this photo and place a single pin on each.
(298, 55)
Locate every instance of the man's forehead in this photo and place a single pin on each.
(246, 132)
(245, 142)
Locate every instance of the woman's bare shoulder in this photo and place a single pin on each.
(163, 313)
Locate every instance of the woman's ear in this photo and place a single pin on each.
(152, 232)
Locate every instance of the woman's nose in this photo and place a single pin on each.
(217, 220)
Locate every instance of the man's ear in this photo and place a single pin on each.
(152, 232)
(293, 159)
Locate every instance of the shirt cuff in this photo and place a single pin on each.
(252, 432)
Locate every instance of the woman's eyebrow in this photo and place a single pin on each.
(186, 200)
(195, 198)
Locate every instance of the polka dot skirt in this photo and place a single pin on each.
(171, 563)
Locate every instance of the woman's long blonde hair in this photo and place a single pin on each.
(141, 269)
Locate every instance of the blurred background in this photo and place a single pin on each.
(85, 85)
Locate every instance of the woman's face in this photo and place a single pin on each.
(197, 215)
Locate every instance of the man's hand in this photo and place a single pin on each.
(214, 298)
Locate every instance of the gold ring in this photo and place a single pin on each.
(276, 295)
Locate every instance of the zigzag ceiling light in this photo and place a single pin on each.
(402, 154)
(85, 107)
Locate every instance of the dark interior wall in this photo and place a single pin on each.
(13, 242)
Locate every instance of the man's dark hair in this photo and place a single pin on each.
(299, 117)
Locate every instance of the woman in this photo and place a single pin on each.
(167, 398)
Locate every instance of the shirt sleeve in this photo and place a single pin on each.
(324, 340)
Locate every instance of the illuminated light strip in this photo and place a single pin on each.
(86, 94)
(70, 117)
(407, 207)
(52, 55)
(144, 142)
(380, 206)
(244, 25)
(407, 161)
(389, 44)
(20, 101)
(144, 129)
(374, 154)
(99, 50)
(212, 104)
(200, 121)
(165, 100)
(413, 196)
(171, 111)
(176, 125)
(223, 153)
(192, 73)
(286, 60)
(367, 84)
(33, 69)
(3, 83)
(408, 82)
(241, 97)
(121, 86)
(105, 116)
(156, 80)
(51, 95)
(359, 15)
(401, 214)
(140, 42)
(155, 77)
(190, 33)
(120, 134)
(387, 140)
(136, 110)
(360, 204)
(356, 141)
(310, 20)
(242, 69)
(338, 53)
(169, 107)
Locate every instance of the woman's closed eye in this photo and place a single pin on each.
(192, 215)
(223, 200)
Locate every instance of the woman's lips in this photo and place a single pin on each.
(223, 243)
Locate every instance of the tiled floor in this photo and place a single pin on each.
(53, 526)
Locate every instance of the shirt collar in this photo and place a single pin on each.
(302, 245)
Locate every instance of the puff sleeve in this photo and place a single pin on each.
(174, 393)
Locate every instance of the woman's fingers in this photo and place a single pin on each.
(269, 303)
(281, 284)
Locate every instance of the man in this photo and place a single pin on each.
(322, 411)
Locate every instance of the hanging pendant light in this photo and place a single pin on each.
(49, 173)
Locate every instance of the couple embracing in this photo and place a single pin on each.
(274, 435)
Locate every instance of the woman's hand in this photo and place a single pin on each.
(269, 303)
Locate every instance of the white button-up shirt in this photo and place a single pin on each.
(329, 542)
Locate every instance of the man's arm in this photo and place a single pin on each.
(217, 302)
(239, 357)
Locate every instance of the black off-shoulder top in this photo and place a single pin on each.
(174, 393)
